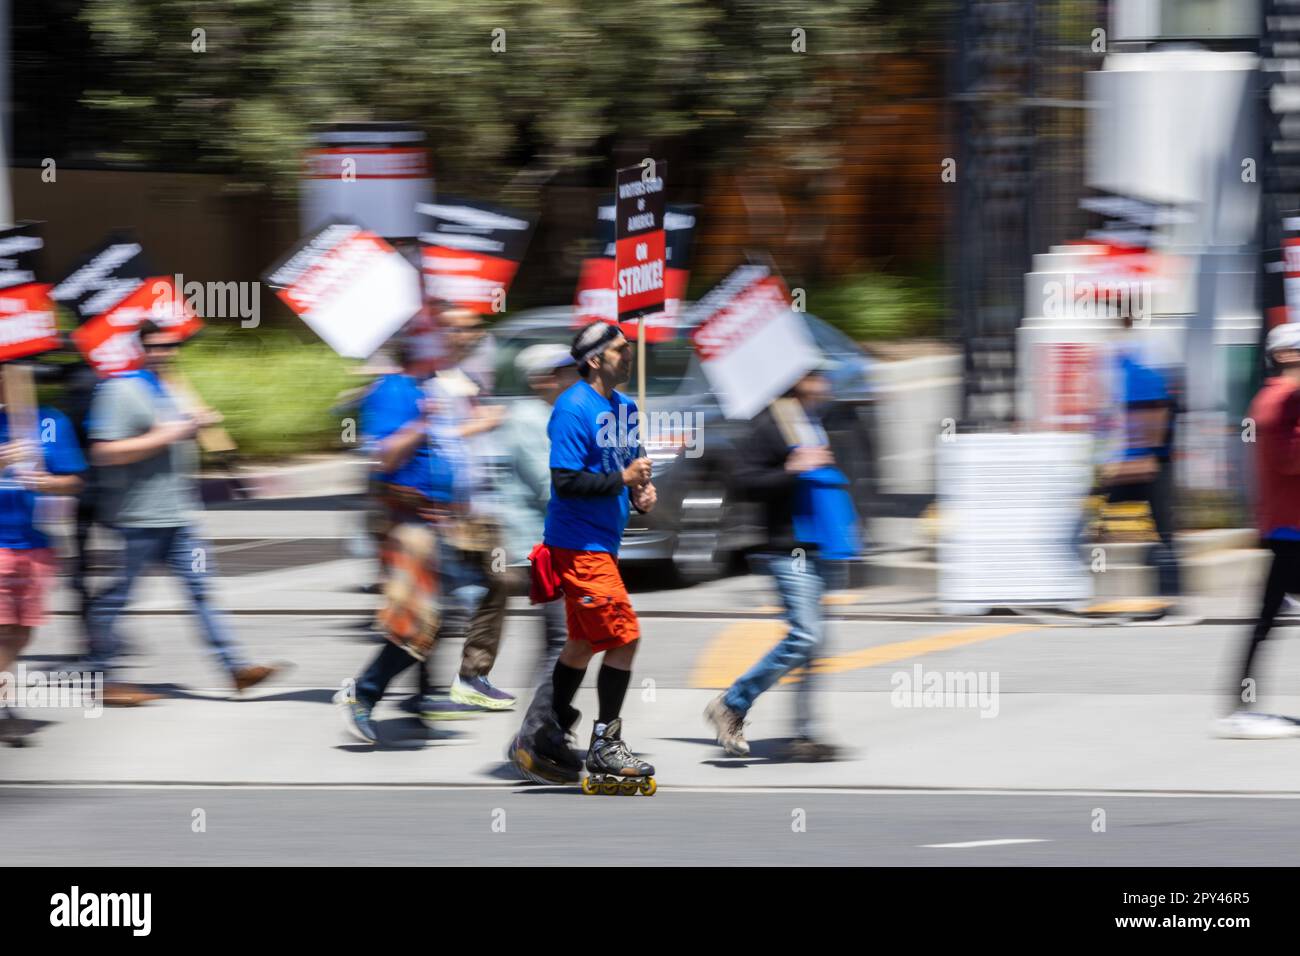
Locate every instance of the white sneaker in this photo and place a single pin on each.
(1249, 725)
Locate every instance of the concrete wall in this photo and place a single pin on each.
(198, 225)
(915, 395)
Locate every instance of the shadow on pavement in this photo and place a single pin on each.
(314, 695)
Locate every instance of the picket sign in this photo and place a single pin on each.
(471, 251)
(640, 253)
(20, 407)
(793, 422)
(350, 286)
(213, 439)
(752, 347)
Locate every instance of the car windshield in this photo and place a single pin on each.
(667, 363)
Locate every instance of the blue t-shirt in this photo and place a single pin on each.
(62, 456)
(391, 405)
(590, 433)
(1141, 385)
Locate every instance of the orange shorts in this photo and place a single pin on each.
(26, 576)
(596, 605)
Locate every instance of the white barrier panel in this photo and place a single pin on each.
(1010, 508)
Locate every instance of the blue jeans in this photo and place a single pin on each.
(175, 548)
(800, 583)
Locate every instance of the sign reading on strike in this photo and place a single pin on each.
(639, 253)
(470, 252)
(596, 299)
(27, 320)
(752, 345)
(351, 287)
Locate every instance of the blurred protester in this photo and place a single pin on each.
(79, 381)
(460, 422)
(416, 490)
(526, 486)
(143, 447)
(27, 563)
(1276, 414)
(549, 371)
(597, 471)
(1141, 470)
(784, 462)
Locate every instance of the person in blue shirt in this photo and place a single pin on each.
(421, 491)
(598, 471)
(785, 464)
(48, 462)
(1142, 468)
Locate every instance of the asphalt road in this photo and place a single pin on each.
(319, 825)
(544, 826)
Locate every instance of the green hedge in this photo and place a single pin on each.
(275, 388)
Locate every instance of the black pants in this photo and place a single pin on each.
(1159, 495)
(1283, 579)
(388, 664)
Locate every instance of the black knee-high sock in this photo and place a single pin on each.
(565, 682)
(611, 687)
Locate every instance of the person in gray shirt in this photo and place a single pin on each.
(143, 444)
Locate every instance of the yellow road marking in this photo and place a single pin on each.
(844, 597)
(1129, 605)
(737, 647)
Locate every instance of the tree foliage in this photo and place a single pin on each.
(575, 78)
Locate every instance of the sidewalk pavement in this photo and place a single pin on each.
(331, 586)
(1123, 742)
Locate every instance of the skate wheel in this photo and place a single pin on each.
(628, 789)
(649, 787)
(609, 788)
(589, 786)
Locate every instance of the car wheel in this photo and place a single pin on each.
(698, 554)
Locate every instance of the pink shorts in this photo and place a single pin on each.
(25, 578)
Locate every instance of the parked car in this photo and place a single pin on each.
(700, 525)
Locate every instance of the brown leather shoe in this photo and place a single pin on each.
(127, 695)
(247, 677)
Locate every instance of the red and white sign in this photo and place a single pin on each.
(1069, 385)
(467, 279)
(27, 321)
(110, 342)
(471, 251)
(752, 345)
(343, 164)
(350, 286)
(597, 299)
(640, 259)
(372, 174)
(27, 314)
(598, 302)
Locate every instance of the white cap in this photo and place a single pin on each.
(1285, 336)
(542, 359)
